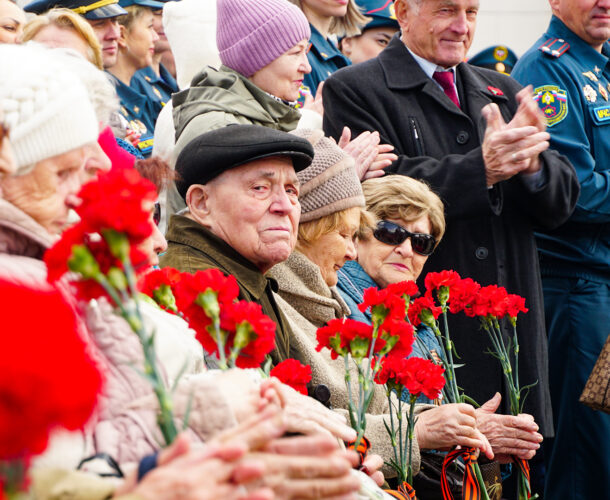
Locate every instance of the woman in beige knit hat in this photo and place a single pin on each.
(332, 204)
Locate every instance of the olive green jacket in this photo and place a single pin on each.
(218, 98)
(191, 248)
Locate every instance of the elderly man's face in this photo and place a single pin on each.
(254, 208)
(589, 19)
(440, 31)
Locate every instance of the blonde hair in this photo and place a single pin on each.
(349, 25)
(401, 197)
(66, 19)
(133, 13)
(311, 231)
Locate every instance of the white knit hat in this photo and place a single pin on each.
(45, 106)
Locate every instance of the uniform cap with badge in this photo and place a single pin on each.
(381, 13)
(152, 4)
(499, 58)
(89, 9)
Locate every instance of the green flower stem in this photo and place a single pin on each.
(411, 437)
(477, 471)
(134, 319)
(393, 429)
(452, 381)
(400, 440)
(350, 398)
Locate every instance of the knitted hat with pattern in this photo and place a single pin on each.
(330, 184)
(45, 106)
(252, 33)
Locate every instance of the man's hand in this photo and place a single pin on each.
(528, 112)
(305, 415)
(316, 103)
(509, 150)
(305, 467)
(445, 426)
(508, 435)
(370, 156)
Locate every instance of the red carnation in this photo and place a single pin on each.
(422, 376)
(443, 282)
(158, 285)
(251, 332)
(391, 368)
(383, 304)
(403, 288)
(515, 304)
(291, 372)
(329, 336)
(462, 295)
(423, 310)
(399, 337)
(115, 201)
(48, 378)
(490, 301)
(347, 336)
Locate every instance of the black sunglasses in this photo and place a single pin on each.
(392, 234)
(157, 214)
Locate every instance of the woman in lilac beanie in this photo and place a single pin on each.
(263, 49)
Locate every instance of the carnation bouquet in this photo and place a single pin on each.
(48, 378)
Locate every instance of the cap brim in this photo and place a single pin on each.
(153, 4)
(300, 161)
(38, 7)
(106, 12)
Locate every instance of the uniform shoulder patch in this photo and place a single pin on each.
(553, 102)
(554, 47)
(602, 114)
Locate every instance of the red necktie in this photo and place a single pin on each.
(445, 80)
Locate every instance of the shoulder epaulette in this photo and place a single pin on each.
(555, 47)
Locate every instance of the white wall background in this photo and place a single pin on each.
(515, 23)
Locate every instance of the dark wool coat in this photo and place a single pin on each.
(489, 231)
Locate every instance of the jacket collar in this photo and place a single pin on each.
(580, 49)
(20, 234)
(131, 99)
(185, 231)
(409, 75)
(353, 280)
(324, 48)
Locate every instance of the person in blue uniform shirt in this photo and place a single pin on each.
(326, 20)
(136, 49)
(102, 15)
(570, 72)
(156, 81)
(377, 33)
(498, 57)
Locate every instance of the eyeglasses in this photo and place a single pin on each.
(392, 234)
(157, 214)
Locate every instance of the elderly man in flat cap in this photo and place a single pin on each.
(242, 194)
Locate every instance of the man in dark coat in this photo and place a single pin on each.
(481, 145)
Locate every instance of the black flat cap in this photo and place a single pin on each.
(210, 154)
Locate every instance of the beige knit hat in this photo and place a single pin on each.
(330, 184)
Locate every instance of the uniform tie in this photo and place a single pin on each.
(445, 80)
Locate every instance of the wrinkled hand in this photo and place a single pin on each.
(508, 151)
(372, 466)
(383, 159)
(445, 426)
(508, 435)
(315, 103)
(132, 137)
(305, 467)
(211, 473)
(305, 415)
(363, 149)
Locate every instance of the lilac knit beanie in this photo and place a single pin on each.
(252, 33)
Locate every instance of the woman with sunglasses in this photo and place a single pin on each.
(410, 224)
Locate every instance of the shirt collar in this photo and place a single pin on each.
(429, 67)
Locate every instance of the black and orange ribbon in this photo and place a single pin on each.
(471, 490)
(363, 447)
(404, 492)
(524, 468)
